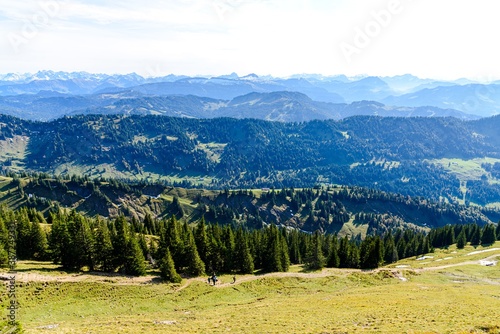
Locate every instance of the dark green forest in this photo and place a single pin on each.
(239, 154)
(120, 245)
(326, 209)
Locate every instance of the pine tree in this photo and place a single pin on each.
(295, 257)
(333, 257)
(81, 242)
(498, 230)
(143, 245)
(243, 259)
(4, 256)
(103, 248)
(284, 251)
(229, 246)
(24, 244)
(390, 252)
(344, 253)
(461, 239)
(57, 239)
(488, 236)
(475, 235)
(276, 257)
(354, 256)
(316, 260)
(201, 239)
(167, 269)
(195, 266)
(134, 259)
(119, 238)
(38, 242)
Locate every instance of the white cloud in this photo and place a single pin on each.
(441, 39)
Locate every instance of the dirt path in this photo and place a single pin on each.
(129, 280)
(465, 263)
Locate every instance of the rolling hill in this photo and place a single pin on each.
(411, 156)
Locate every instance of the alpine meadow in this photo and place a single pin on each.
(234, 166)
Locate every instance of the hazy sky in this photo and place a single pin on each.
(442, 39)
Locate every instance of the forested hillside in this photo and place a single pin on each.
(78, 242)
(352, 211)
(403, 155)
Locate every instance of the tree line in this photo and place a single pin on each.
(77, 242)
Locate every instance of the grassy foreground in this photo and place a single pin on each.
(454, 296)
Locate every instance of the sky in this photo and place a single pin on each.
(443, 39)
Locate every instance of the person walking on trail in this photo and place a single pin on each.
(214, 279)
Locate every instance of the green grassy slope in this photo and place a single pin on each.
(460, 299)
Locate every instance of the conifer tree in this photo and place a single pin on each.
(295, 257)
(143, 245)
(333, 257)
(475, 235)
(285, 258)
(134, 259)
(498, 230)
(344, 253)
(316, 260)
(195, 266)
(24, 241)
(38, 241)
(120, 234)
(488, 236)
(461, 239)
(390, 252)
(242, 257)
(201, 239)
(354, 256)
(229, 246)
(4, 256)
(167, 269)
(103, 248)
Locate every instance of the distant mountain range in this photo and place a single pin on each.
(49, 95)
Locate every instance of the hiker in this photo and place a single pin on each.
(214, 279)
(208, 280)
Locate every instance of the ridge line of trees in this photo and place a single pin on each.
(77, 242)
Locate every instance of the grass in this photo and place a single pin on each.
(467, 170)
(462, 299)
(14, 149)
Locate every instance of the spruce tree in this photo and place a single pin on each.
(195, 266)
(120, 235)
(354, 256)
(24, 241)
(390, 252)
(295, 257)
(229, 246)
(315, 259)
(461, 239)
(201, 239)
(333, 258)
(134, 259)
(488, 236)
(498, 230)
(38, 242)
(167, 269)
(344, 253)
(285, 258)
(242, 257)
(103, 248)
(475, 235)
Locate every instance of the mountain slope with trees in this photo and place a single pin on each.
(390, 154)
